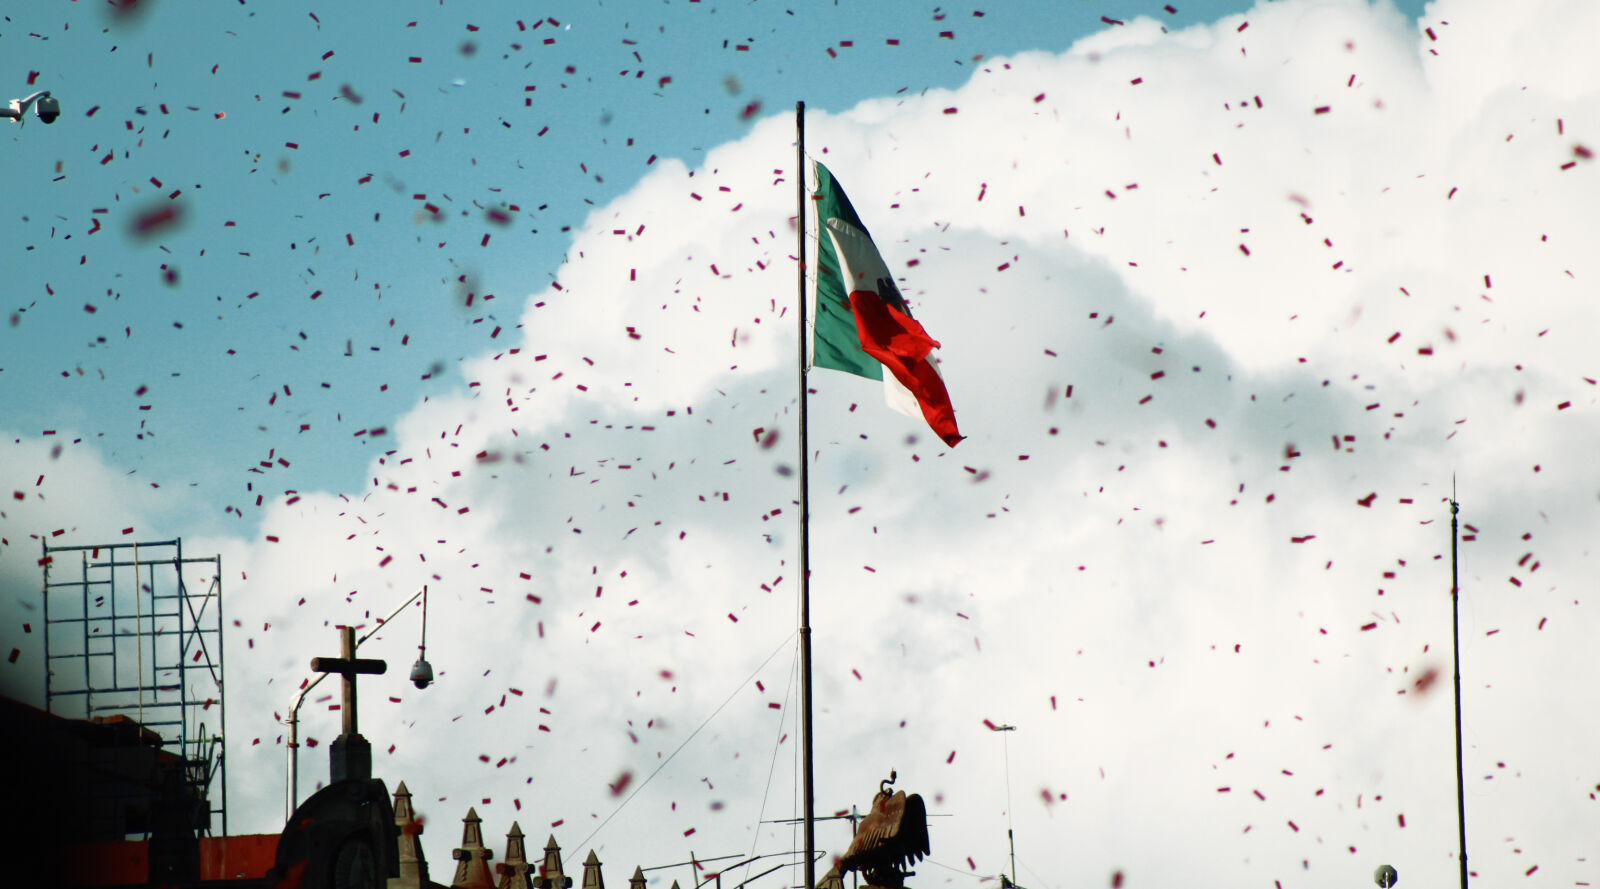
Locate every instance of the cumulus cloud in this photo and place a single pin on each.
(1222, 309)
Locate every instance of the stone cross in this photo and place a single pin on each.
(347, 665)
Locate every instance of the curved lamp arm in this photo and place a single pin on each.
(17, 107)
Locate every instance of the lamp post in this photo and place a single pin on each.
(45, 107)
(421, 677)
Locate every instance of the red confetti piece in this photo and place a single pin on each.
(621, 783)
(154, 221)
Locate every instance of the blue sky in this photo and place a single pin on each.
(1227, 296)
(563, 124)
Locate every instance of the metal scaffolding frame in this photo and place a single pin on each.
(126, 634)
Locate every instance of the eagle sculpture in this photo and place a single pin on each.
(892, 837)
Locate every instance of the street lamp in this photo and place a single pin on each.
(422, 671)
(45, 106)
(421, 677)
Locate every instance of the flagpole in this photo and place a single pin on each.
(805, 515)
(1455, 631)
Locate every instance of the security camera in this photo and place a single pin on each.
(421, 673)
(44, 105)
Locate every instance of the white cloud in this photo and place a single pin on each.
(1131, 594)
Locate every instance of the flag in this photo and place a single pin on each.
(861, 323)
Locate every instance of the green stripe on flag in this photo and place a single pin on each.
(835, 343)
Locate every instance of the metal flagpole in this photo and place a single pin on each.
(805, 516)
(1455, 630)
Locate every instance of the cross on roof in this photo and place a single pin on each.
(347, 665)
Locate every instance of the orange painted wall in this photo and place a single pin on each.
(128, 863)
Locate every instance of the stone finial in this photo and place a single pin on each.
(550, 874)
(413, 865)
(402, 805)
(472, 858)
(592, 878)
(637, 880)
(515, 871)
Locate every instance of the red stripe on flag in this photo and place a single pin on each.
(902, 346)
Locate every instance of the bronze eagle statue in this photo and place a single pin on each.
(892, 837)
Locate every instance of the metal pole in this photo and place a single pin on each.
(294, 744)
(44, 593)
(1455, 629)
(138, 641)
(88, 679)
(1010, 837)
(222, 697)
(806, 781)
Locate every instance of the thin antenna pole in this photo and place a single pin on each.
(1455, 629)
(806, 783)
(1011, 839)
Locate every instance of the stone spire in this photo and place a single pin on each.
(592, 878)
(413, 866)
(637, 880)
(515, 871)
(550, 873)
(472, 867)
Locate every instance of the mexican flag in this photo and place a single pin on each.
(860, 322)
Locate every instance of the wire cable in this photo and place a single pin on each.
(773, 766)
(740, 687)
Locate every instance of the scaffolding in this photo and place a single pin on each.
(133, 647)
